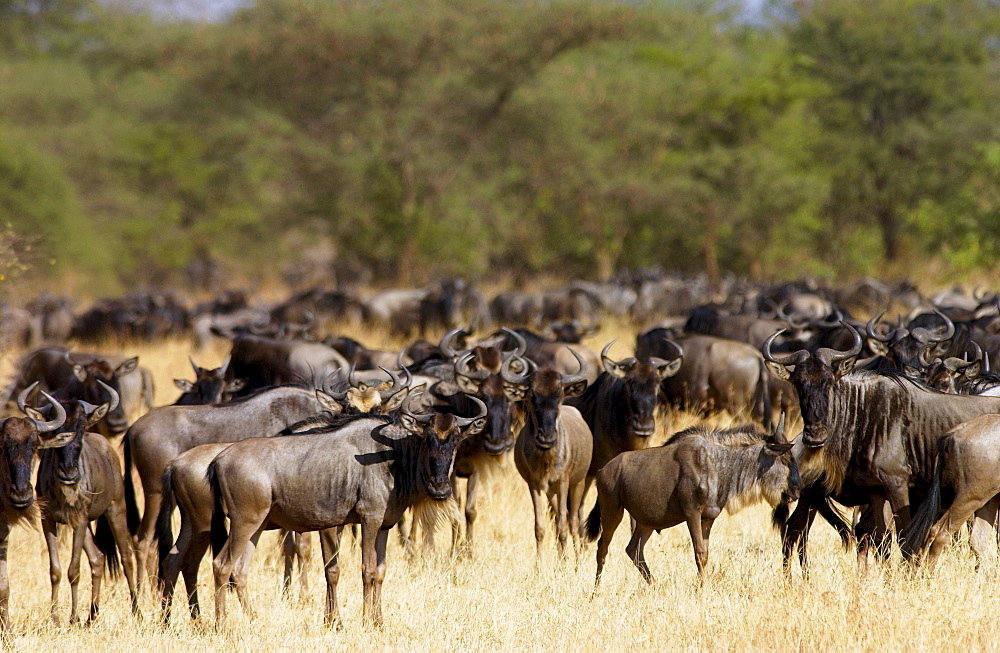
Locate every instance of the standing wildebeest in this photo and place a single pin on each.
(968, 465)
(20, 438)
(209, 386)
(77, 484)
(691, 478)
(620, 406)
(873, 431)
(553, 451)
(373, 470)
(265, 362)
(163, 433)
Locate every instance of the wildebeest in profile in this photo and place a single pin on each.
(691, 478)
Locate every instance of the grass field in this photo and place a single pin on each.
(502, 599)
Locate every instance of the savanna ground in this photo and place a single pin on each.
(502, 599)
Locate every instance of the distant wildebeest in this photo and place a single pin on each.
(374, 469)
(908, 349)
(553, 451)
(209, 386)
(265, 362)
(620, 406)
(553, 354)
(873, 431)
(691, 479)
(20, 439)
(77, 484)
(163, 433)
(967, 470)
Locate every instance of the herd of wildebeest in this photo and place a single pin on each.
(302, 430)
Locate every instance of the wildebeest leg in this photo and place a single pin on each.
(288, 555)
(795, 530)
(611, 515)
(373, 540)
(96, 559)
(49, 528)
(574, 508)
(405, 527)
(538, 505)
(4, 582)
(144, 537)
(804, 542)
(242, 528)
(303, 554)
(119, 530)
(190, 561)
(240, 573)
(899, 499)
(698, 541)
(170, 567)
(636, 550)
(983, 537)
(73, 571)
(329, 543)
(558, 501)
(470, 507)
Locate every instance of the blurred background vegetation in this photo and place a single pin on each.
(398, 140)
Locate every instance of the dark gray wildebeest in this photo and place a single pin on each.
(551, 354)
(209, 386)
(553, 451)
(79, 483)
(718, 374)
(185, 482)
(691, 479)
(20, 439)
(908, 350)
(164, 433)
(264, 362)
(874, 432)
(374, 469)
(620, 406)
(968, 471)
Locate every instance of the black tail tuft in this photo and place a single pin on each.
(104, 537)
(916, 534)
(163, 533)
(779, 516)
(594, 523)
(219, 532)
(131, 506)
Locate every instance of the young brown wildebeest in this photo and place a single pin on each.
(77, 484)
(968, 463)
(691, 478)
(372, 469)
(20, 438)
(553, 450)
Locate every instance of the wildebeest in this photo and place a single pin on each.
(874, 431)
(620, 406)
(79, 483)
(20, 438)
(553, 452)
(374, 470)
(691, 478)
(163, 433)
(967, 469)
(265, 362)
(209, 386)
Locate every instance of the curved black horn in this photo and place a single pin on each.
(462, 422)
(446, 346)
(870, 329)
(507, 375)
(58, 419)
(790, 359)
(568, 379)
(831, 356)
(360, 385)
(838, 317)
(522, 345)
(462, 368)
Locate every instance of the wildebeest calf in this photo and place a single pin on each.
(691, 478)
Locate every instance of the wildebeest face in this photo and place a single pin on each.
(779, 481)
(441, 434)
(546, 397)
(20, 440)
(642, 384)
(496, 438)
(101, 370)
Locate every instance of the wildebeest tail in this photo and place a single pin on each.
(131, 506)
(779, 517)
(163, 533)
(762, 396)
(219, 531)
(915, 537)
(835, 518)
(594, 523)
(104, 538)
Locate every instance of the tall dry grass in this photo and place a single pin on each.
(503, 599)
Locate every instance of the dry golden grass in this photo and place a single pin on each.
(501, 599)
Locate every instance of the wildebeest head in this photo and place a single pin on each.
(21, 438)
(209, 386)
(779, 471)
(641, 381)
(90, 375)
(500, 391)
(440, 435)
(910, 349)
(813, 375)
(545, 390)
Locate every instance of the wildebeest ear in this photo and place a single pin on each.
(671, 368)
(475, 427)
(328, 402)
(128, 366)
(395, 401)
(576, 388)
(98, 414)
(57, 440)
(973, 369)
(79, 373)
(467, 385)
(845, 366)
(878, 347)
(410, 424)
(236, 385)
(778, 370)
(613, 368)
(778, 447)
(34, 414)
(184, 385)
(515, 391)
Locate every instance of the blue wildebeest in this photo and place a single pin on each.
(209, 386)
(79, 483)
(691, 479)
(874, 432)
(374, 469)
(20, 439)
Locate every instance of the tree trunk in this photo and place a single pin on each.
(712, 251)
(889, 224)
